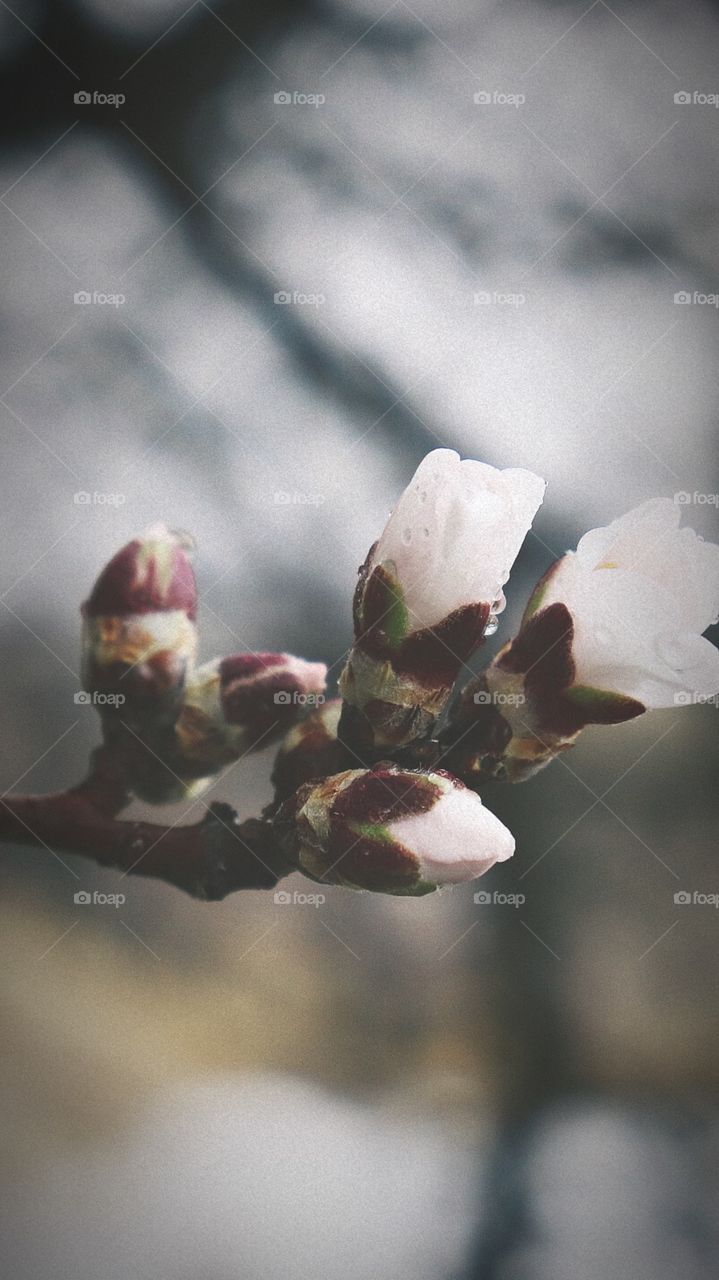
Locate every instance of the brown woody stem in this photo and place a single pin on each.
(209, 859)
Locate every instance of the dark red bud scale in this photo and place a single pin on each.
(151, 574)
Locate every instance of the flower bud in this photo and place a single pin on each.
(391, 830)
(236, 704)
(429, 590)
(139, 635)
(310, 750)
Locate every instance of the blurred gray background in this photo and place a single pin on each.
(372, 1088)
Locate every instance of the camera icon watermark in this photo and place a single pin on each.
(683, 898)
(282, 898)
(497, 98)
(84, 499)
(85, 699)
(287, 698)
(494, 297)
(83, 98)
(295, 298)
(485, 698)
(683, 98)
(689, 698)
(485, 898)
(285, 99)
(683, 499)
(683, 298)
(85, 298)
(84, 899)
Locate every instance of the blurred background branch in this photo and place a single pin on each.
(527, 1092)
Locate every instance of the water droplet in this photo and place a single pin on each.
(492, 625)
(406, 536)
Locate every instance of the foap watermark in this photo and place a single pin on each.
(688, 698)
(684, 499)
(484, 698)
(696, 298)
(85, 98)
(295, 298)
(85, 899)
(287, 697)
(495, 297)
(296, 99)
(498, 98)
(84, 499)
(685, 898)
(283, 898)
(85, 699)
(695, 98)
(297, 498)
(493, 898)
(85, 298)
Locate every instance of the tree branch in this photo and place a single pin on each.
(208, 859)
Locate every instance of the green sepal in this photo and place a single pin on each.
(603, 706)
(383, 605)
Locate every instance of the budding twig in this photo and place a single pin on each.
(208, 859)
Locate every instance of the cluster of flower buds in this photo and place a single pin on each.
(611, 630)
(391, 830)
(238, 704)
(428, 593)
(231, 707)
(174, 725)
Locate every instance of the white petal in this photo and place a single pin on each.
(640, 592)
(455, 533)
(457, 839)
(648, 541)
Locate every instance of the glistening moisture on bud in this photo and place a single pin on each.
(391, 830)
(429, 592)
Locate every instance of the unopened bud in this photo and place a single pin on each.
(310, 750)
(245, 702)
(151, 574)
(391, 830)
(139, 635)
(428, 593)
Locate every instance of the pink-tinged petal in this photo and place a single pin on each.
(391, 830)
(458, 839)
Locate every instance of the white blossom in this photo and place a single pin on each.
(454, 535)
(641, 591)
